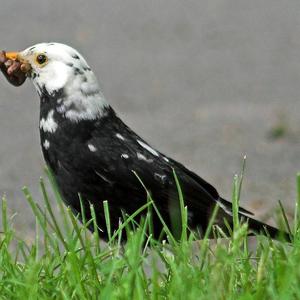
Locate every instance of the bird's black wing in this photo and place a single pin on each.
(209, 188)
(122, 156)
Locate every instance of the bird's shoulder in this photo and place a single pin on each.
(114, 145)
(125, 155)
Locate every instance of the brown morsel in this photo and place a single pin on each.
(11, 70)
(25, 67)
(14, 67)
(3, 58)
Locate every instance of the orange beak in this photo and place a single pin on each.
(12, 55)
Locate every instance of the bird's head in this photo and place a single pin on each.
(61, 73)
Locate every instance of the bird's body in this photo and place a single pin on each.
(91, 151)
(102, 159)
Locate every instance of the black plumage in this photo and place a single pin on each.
(110, 173)
(92, 153)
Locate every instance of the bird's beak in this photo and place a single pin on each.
(25, 65)
(12, 55)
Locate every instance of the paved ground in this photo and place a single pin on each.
(204, 81)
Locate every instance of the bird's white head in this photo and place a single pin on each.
(62, 73)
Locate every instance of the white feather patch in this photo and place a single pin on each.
(140, 156)
(92, 148)
(49, 125)
(148, 148)
(119, 136)
(46, 144)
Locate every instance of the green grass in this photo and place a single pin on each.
(66, 261)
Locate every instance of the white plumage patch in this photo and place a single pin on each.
(46, 144)
(148, 148)
(119, 136)
(48, 125)
(92, 148)
(140, 156)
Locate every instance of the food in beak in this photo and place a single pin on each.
(25, 66)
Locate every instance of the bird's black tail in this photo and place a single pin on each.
(268, 230)
(255, 226)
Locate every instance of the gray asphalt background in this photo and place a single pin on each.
(203, 81)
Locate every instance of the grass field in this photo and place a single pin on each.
(66, 261)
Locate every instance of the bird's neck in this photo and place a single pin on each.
(61, 108)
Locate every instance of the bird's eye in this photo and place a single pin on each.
(41, 59)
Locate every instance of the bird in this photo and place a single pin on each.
(94, 156)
